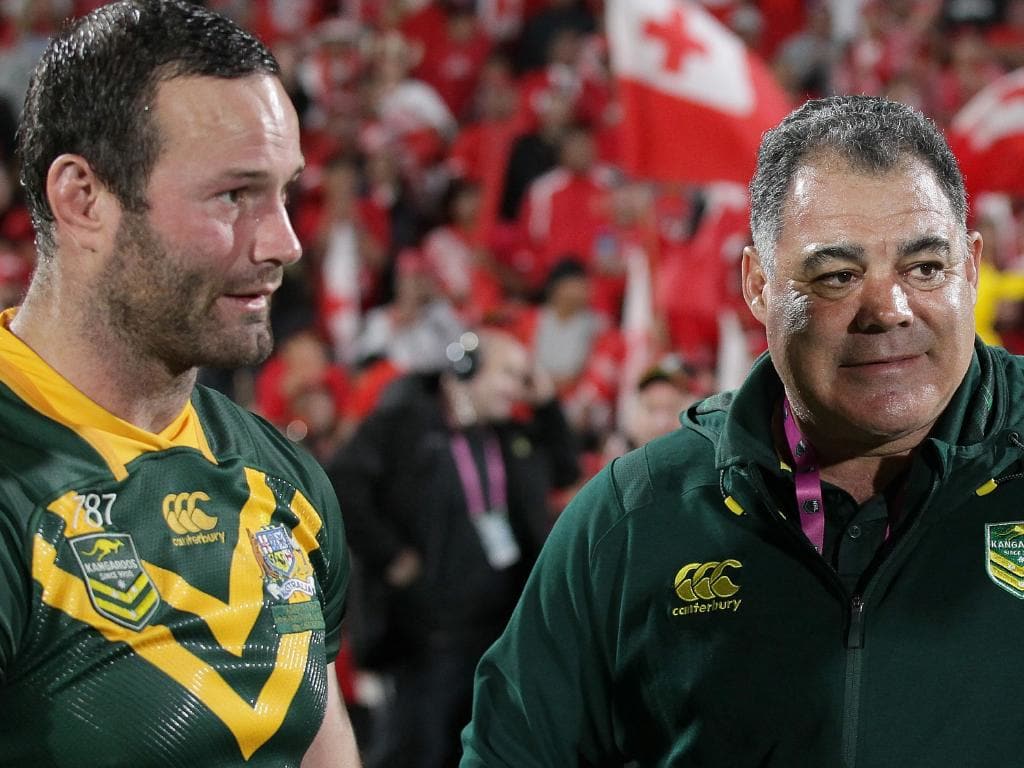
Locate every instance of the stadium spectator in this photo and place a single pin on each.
(346, 234)
(535, 153)
(567, 209)
(410, 111)
(458, 255)
(411, 331)
(304, 393)
(563, 331)
(480, 152)
(446, 506)
(541, 29)
(454, 49)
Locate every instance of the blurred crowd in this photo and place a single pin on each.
(463, 173)
(463, 170)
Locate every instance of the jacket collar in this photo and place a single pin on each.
(739, 421)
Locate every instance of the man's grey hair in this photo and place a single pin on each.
(872, 134)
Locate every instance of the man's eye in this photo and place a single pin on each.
(233, 196)
(927, 271)
(837, 279)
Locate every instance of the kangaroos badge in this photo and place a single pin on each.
(1005, 556)
(286, 568)
(118, 585)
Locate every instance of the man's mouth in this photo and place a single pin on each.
(887, 361)
(255, 298)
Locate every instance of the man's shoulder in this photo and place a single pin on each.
(233, 431)
(37, 451)
(648, 479)
(668, 465)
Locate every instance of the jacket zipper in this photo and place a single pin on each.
(851, 686)
(855, 639)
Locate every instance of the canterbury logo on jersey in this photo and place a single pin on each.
(707, 587)
(183, 515)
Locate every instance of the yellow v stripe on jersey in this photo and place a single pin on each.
(230, 623)
(116, 440)
(251, 726)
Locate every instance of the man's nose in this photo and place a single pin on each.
(884, 304)
(275, 237)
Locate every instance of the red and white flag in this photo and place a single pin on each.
(637, 329)
(987, 136)
(695, 100)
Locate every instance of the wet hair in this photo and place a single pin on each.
(92, 92)
(872, 134)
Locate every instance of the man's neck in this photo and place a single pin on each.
(866, 476)
(138, 390)
(862, 471)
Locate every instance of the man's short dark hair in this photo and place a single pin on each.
(872, 134)
(92, 92)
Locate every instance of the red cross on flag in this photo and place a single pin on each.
(695, 100)
(987, 136)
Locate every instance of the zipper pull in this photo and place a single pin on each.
(855, 634)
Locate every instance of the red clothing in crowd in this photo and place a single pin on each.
(457, 259)
(275, 404)
(565, 213)
(276, 20)
(448, 63)
(706, 271)
(588, 97)
(480, 154)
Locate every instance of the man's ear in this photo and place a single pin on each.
(754, 282)
(84, 210)
(972, 260)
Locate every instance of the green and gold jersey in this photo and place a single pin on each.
(166, 599)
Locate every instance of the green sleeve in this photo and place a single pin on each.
(334, 551)
(15, 591)
(542, 694)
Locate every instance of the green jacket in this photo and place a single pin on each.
(677, 617)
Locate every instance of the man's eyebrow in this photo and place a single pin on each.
(246, 174)
(926, 243)
(820, 255)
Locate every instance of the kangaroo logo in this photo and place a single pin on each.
(119, 588)
(183, 515)
(102, 548)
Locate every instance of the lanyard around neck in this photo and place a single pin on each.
(807, 479)
(809, 498)
(469, 475)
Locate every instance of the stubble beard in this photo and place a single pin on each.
(163, 312)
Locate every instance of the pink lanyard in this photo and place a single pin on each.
(808, 481)
(469, 474)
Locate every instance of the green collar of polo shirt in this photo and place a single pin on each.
(739, 421)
